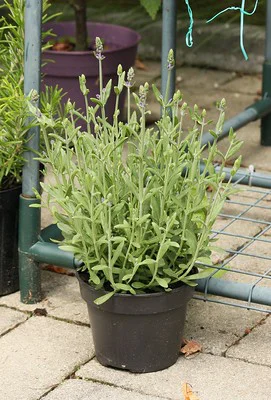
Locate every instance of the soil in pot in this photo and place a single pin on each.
(9, 216)
(140, 333)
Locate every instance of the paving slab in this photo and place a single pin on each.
(247, 84)
(77, 389)
(39, 354)
(241, 228)
(61, 298)
(255, 347)
(216, 327)
(212, 378)
(10, 318)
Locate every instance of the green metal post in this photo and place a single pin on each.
(169, 28)
(266, 88)
(29, 228)
(29, 223)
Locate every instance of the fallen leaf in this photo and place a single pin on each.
(190, 347)
(58, 270)
(40, 312)
(140, 65)
(247, 331)
(187, 392)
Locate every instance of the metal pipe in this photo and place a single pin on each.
(29, 270)
(268, 32)
(50, 253)
(244, 177)
(50, 232)
(169, 28)
(255, 111)
(266, 80)
(29, 224)
(32, 62)
(235, 290)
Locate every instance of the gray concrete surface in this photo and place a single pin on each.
(212, 378)
(50, 357)
(59, 292)
(39, 354)
(255, 346)
(9, 319)
(87, 390)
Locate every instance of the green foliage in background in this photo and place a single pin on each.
(13, 112)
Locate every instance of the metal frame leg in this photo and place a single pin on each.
(169, 29)
(266, 85)
(29, 224)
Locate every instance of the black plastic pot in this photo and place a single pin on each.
(9, 216)
(139, 333)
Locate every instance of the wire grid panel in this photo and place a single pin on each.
(243, 230)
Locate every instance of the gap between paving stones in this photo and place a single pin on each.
(115, 385)
(259, 323)
(32, 314)
(17, 324)
(68, 377)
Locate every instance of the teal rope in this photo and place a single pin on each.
(189, 34)
(243, 12)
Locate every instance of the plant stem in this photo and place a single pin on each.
(80, 11)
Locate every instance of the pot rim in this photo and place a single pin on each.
(88, 52)
(14, 188)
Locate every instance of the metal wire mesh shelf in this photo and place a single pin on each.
(243, 230)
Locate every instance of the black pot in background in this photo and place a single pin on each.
(140, 333)
(9, 216)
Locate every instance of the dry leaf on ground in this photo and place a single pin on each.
(58, 270)
(140, 65)
(190, 347)
(187, 392)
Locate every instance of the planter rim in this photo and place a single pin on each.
(88, 52)
(17, 187)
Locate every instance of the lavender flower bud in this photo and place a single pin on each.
(130, 77)
(170, 60)
(98, 49)
(119, 70)
(143, 91)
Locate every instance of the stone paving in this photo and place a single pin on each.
(46, 349)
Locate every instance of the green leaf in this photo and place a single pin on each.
(100, 267)
(221, 272)
(66, 247)
(125, 288)
(200, 275)
(93, 277)
(104, 298)
(158, 94)
(162, 282)
(157, 230)
(107, 91)
(162, 250)
(205, 260)
(96, 101)
(151, 6)
(138, 285)
(191, 241)
(117, 253)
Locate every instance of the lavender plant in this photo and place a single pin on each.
(132, 202)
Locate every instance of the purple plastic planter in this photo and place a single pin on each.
(67, 66)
